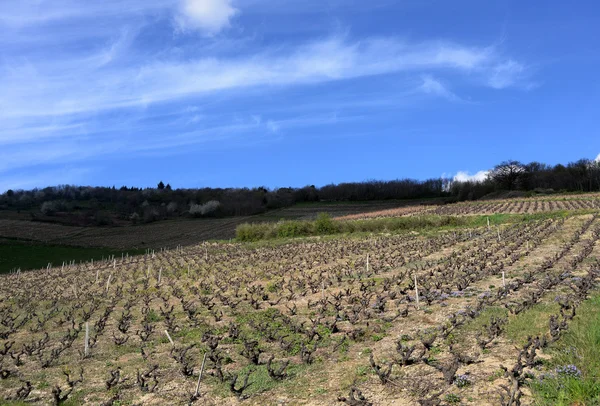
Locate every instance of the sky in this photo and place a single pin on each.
(276, 93)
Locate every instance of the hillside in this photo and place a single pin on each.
(315, 321)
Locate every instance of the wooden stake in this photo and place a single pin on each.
(367, 264)
(108, 282)
(169, 337)
(200, 376)
(503, 280)
(488, 222)
(86, 348)
(159, 275)
(416, 291)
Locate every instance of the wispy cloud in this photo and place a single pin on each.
(24, 13)
(34, 179)
(598, 158)
(433, 86)
(71, 87)
(82, 80)
(506, 74)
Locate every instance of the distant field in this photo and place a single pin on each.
(23, 255)
(169, 233)
(521, 206)
(155, 235)
(309, 211)
(505, 206)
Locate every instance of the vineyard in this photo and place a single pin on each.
(506, 206)
(463, 316)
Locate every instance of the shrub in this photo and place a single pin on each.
(210, 207)
(290, 229)
(52, 206)
(172, 207)
(134, 218)
(255, 232)
(325, 225)
(48, 208)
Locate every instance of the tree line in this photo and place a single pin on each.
(105, 205)
(534, 177)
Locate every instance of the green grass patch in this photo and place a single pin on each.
(573, 372)
(324, 225)
(531, 322)
(484, 318)
(25, 255)
(260, 380)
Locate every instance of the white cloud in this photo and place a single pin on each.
(464, 176)
(63, 87)
(433, 86)
(273, 126)
(598, 158)
(506, 74)
(208, 16)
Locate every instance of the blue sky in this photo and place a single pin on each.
(288, 93)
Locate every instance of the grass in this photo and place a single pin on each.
(531, 322)
(324, 225)
(24, 255)
(579, 347)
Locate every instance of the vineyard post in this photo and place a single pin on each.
(159, 275)
(108, 282)
(503, 280)
(200, 376)
(86, 348)
(488, 223)
(169, 337)
(416, 291)
(499, 238)
(367, 264)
